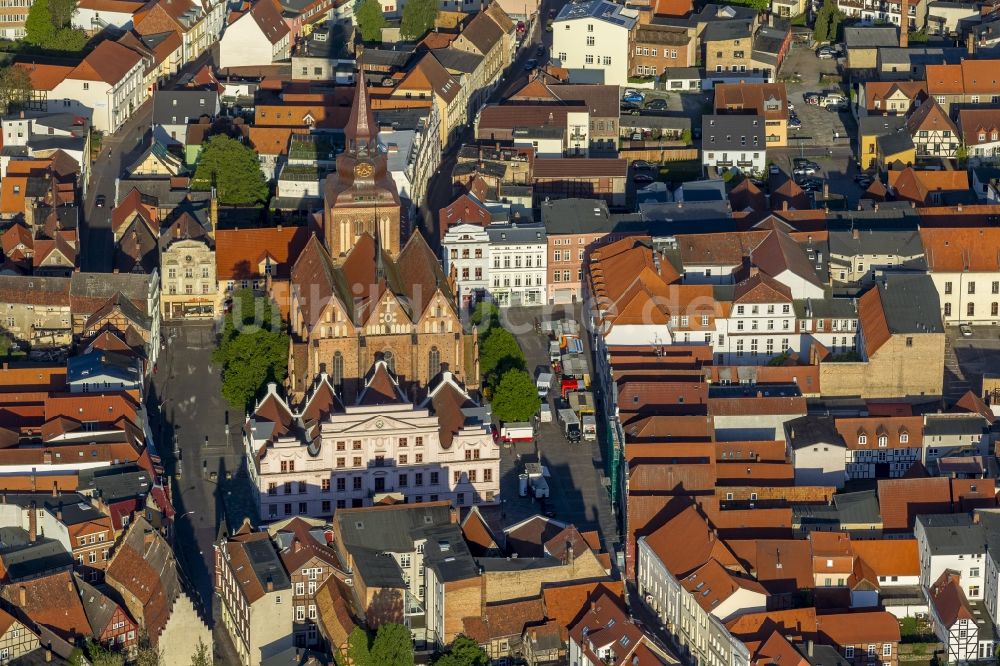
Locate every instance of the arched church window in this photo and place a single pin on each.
(433, 362)
(338, 369)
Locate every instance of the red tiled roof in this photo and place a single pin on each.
(240, 252)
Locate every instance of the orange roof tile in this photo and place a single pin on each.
(955, 250)
(900, 500)
(45, 77)
(239, 252)
(691, 528)
(889, 557)
(794, 624)
(565, 603)
(852, 628)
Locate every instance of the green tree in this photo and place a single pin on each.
(357, 652)
(515, 398)
(200, 656)
(498, 353)
(68, 39)
(62, 12)
(370, 20)
(102, 656)
(487, 312)
(234, 170)
(418, 18)
(15, 87)
(392, 646)
(147, 655)
(253, 348)
(38, 27)
(822, 25)
(463, 652)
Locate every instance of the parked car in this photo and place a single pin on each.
(794, 123)
(966, 330)
(540, 50)
(100, 201)
(530, 65)
(773, 170)
(658, 104)
(633, 96)
(642, 179)
(641, 164)
(804, 170)
(630, 106)
(826, 53)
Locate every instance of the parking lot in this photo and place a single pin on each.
(822, 135)
(968, 358)
(576, 493)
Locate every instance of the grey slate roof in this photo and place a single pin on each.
(870, 37)
(892, 242)
(448, 554)
(266, 564)
(178, 107)
(121, 366)
(895, 143)
(75, 507)
(23, 559)
(953, 534)
(117, 482)
(880, 125)
(732, 132)
(954, 424)
(388, 530)
(458, 60)
(813, 429)
(726, 30)
(910, 303)
(512, 233)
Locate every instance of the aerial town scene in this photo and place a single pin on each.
(499, 332)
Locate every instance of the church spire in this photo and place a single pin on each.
(361, 129)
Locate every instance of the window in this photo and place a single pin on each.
(972, 287)
(588, 59)
(887, 649)
(325, 485)
(871, 650)
(973, 591)
(590, 40)
(862, 440)
(433, 362)
(947, 309)
(970, 310)
(974, 572)
(849, 652)
(947, 287)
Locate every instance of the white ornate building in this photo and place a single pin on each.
(325, 456)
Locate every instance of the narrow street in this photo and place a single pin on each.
(118, 150)
(200, 440)
(440, 191)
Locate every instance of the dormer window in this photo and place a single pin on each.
(883, 441)
(862, 440)
(904, 437)
(982, 136)
(993, 136)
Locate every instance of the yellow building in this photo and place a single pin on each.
(883, 140)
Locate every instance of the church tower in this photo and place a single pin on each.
(361, 196)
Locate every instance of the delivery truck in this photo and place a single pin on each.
(517, 431)
(571, 424)
(589, 427)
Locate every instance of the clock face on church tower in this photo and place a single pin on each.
(363, 169)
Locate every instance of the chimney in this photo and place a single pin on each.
(855, 234)
(69, 584)
(213, 214)
(32, 523)
(826, 189)
(48, 653)
(976, 517)
(297, 546)
(970, 43)
(270, 585)
(784, 204)
(809, 648)
(23, 595)
(904, 24)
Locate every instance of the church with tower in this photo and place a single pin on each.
(359, 293)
